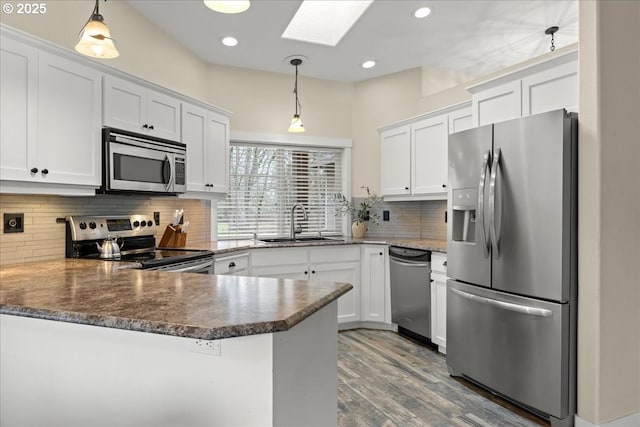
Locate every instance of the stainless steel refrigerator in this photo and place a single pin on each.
(512, 261)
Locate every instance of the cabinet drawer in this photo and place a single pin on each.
(334, 254)
(439, 263)
(267, 257)
(231, 264)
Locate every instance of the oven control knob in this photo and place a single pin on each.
(143, 223)
(83, 226)
(92, 225)
(149, 223)
(136, 223)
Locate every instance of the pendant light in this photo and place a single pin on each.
(95, 38)
(551, 31)
(228, 6)
(296, 122)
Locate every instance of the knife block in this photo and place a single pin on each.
(173, 237)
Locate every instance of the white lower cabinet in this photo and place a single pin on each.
(375, 298)
(325, 264)
(439, 300)
(234, 264)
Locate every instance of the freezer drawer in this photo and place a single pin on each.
(516, 346)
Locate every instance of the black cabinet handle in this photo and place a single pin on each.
(406, 188)
(306, 272)
(145, 126)
(313, 272)
(232, 264)
(444, 185)
(380, 253)
(151, 127)
(34, 170)
(45, 171)
(444, 264)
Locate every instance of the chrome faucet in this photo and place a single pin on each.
(296, 229)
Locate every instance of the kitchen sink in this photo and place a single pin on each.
(300, 239)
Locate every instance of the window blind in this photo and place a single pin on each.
(266, 181)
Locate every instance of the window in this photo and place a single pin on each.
(266, 181)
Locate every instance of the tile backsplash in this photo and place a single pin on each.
(44, 238)
(411, 219)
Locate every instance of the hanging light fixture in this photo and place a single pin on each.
(551, 31)
(95, 38)
(296, 122)
(228, 6)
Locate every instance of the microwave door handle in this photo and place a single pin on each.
(166, 172)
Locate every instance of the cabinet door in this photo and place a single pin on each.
(124, 105)
(194, 134)
(69, 123)
(373, 283)
(429, 156)
(460, 120)
(217, 153)
(497, 104)
(349, 272)
(395, 152)
(18, 110)
(439, 311)
(163, 116)
(551, 90)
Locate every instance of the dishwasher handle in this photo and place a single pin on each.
(409, 264)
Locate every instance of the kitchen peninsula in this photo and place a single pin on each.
(93, 343)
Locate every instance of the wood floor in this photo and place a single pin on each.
(387, 380)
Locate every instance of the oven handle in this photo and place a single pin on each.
(192, 268)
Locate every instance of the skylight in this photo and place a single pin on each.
(324, 22)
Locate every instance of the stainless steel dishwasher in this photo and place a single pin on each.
(410, 271)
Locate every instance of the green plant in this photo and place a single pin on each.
(360, 212)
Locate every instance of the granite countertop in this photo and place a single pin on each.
(225, 246)
(102, 293)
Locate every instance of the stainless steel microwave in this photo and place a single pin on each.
(142, 164)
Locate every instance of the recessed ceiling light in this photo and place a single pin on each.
(228, 6)
(423, 12)
(369, 64)
(229, 41)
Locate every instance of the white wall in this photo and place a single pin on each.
(609, 206)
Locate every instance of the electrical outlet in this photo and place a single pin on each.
(156, 218)
(14, 223)
(210, 347)
(385, 215)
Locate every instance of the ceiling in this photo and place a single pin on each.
(472, 36)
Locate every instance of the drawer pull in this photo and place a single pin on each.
(534, 311)
(232, 264)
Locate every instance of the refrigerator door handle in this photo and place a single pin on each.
(495, 226)
(534, 311)
(486, 241)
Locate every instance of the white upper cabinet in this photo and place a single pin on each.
(395, 153)
(69, 107)
(414, 154)
(130, 106)
(461, 119)
(497, 104)
(429, 155)
(51, 122)
(18, 110)
(206, 134)
(547, 85)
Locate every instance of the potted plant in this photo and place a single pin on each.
(360, 213)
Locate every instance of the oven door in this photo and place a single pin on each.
(137, 168)
(199, 266)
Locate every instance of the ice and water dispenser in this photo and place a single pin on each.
(463, 224)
